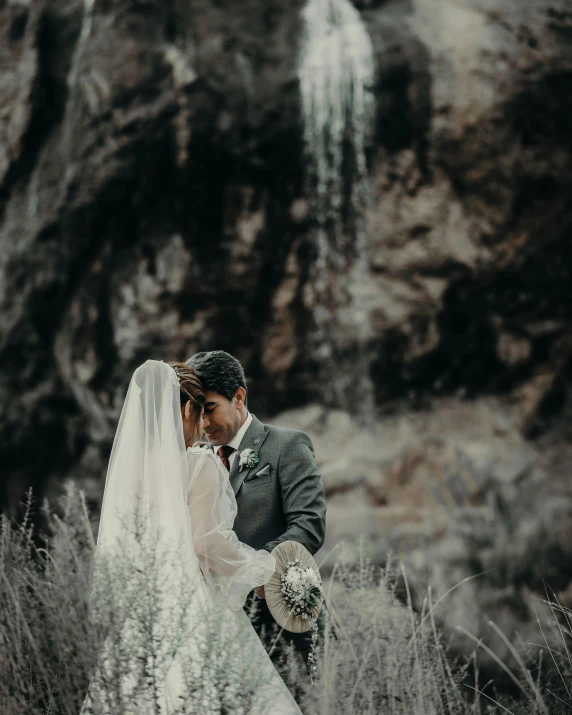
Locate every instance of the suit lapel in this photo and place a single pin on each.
(253, 439)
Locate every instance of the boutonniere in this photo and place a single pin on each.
(248, 458)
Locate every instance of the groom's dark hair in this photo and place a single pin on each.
(219, 372)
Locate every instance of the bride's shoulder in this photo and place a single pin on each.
(205, 466)
(200, 449)
(201, 454)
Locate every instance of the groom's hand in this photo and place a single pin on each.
(260, 592)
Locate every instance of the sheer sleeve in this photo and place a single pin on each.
(228, 565)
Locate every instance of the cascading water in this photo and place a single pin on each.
(336, 76)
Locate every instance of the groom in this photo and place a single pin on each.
(282, 497)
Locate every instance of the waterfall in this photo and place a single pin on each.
(336, 77)
(335, 72)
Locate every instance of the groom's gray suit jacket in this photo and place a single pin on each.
(281, 498)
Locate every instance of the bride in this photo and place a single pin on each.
(170, 575)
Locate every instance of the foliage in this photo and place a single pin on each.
(377, 653)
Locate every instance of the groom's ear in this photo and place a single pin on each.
(240, 397)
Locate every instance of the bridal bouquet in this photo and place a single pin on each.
(294, 594)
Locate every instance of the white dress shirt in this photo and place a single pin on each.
(237, 439)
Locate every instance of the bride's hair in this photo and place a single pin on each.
(190, 387)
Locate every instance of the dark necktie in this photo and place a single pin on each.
(224, 453)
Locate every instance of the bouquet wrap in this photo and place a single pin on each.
(294, 593)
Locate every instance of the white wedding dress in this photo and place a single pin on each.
(171, 577)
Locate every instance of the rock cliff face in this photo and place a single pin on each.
(154, 201)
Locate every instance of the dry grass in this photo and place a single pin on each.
(378, 655)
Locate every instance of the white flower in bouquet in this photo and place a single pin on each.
(302, 590)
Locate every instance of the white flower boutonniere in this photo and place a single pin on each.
(248, 458)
